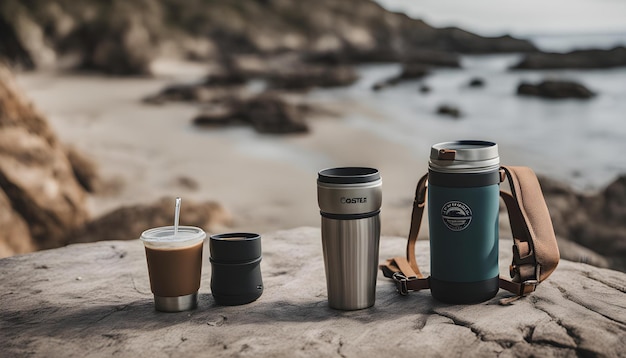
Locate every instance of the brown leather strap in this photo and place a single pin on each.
(404, 270)
(535, 251)
(416, 221)
(534, 248)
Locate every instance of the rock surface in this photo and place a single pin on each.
(95, 300)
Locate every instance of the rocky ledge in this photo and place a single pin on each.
(94, 300)
(580, 59)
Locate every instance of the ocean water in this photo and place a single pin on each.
(581, 142)
(580, 18)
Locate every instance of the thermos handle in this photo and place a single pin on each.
(404, 270)
(535, 251)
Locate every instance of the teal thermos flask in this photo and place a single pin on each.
(463, 205)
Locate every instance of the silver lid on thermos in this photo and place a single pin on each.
(464, 156)
(349, 191)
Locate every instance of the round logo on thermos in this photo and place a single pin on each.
(456, 215)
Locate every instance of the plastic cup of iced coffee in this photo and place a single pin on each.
(174, 265)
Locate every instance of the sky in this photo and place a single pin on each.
(519, 17)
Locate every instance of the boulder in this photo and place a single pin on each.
(15, 237)
(186, 183)
(610, 204)
(449, 110)
(459, 40)
(579, 59)
(424, 89)
(270, 114)
(410, 71)
(278, 74)
(12, 49)
(94, 300)
(183, 93)
(595, 221)
(122, 43)
(233, 77)
(85, 169)
(267, 113)
(572, 251)
(476, 82)
(220, 116)
(555, 89)
(606, 227)
(36, 176)
(127, 223)
(433, 58)
(304, 77)
(348, 56)
(413, 71)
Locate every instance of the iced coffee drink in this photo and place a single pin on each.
(174, 266)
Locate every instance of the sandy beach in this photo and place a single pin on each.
(267, 182)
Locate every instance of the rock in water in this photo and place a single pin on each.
(410, 71)
(555, 90)
(35, 173)
(95, 300)
(476, 82)
(449, 110)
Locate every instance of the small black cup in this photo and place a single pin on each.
(235, 268)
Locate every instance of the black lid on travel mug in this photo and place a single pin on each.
(348, 175)
(235, 247)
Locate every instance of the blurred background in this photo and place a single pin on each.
(109, 110)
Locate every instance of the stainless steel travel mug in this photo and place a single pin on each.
(463, 205)
(349, 199)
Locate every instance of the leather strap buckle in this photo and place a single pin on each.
(528, 286)
(401, 283)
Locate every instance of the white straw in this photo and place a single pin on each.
(176, 215)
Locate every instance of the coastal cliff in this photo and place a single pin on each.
(124, 37)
